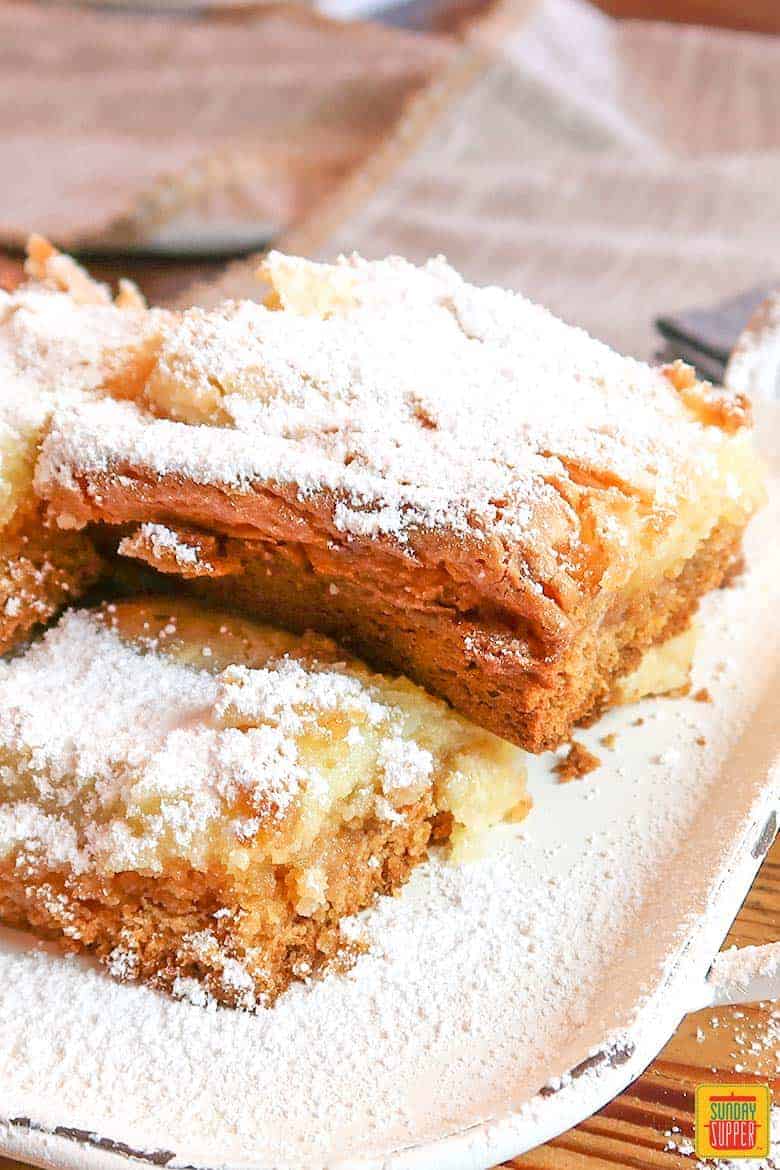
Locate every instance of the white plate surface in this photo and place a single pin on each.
(577, 944)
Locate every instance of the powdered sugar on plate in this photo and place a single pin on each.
(575, 940)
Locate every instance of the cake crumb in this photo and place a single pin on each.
(702, 695)
(734, 573)
(577, 763)
(609, 741)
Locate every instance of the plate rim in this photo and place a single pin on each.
(485, 1144)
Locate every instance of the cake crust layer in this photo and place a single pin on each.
(173, 932)
(483, 669)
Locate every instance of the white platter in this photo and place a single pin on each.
(500, 1002)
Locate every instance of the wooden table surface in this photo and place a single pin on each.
(755, 15)
(632, 1130)
(636, 1129)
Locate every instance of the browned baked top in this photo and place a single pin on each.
(62, 338)
(402, 407)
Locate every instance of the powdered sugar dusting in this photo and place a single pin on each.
(116, 757)
(165, 540)
(54, 351)
(59, 344)
(481, 983)
(740, 967)
(754, 366)
(419, 401)
(405, 765)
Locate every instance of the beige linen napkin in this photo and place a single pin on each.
(612, 171)
(211, 130)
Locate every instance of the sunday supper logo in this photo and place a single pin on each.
(733, 1120)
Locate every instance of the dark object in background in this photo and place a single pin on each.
(706, 337)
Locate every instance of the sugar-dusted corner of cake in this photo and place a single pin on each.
(200, 800)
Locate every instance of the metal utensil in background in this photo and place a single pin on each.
(707, 337)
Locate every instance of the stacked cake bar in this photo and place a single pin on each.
(453, 484)
(444, 477)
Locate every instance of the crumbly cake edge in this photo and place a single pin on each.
(485, 673)
(42, 571)
(178, 932)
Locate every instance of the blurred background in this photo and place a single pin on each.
(564, 147)
(759, 15)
